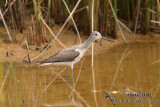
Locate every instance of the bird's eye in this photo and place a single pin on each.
(96, 34)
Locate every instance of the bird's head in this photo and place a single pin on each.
(96, 35)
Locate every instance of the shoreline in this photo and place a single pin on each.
(15, 52)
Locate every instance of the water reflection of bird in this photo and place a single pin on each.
(73, 54)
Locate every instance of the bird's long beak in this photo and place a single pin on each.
(107, 39)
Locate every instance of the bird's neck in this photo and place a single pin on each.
(88, 42)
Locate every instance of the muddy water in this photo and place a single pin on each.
(126, 73)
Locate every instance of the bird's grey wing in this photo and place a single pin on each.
(62, 56)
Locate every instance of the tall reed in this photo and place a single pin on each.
(115, 24)
(147, 16)
(104, 20)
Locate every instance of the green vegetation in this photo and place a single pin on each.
(104, 19)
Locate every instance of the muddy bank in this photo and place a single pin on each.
(16, 51)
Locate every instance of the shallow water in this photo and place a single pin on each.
(120, 71)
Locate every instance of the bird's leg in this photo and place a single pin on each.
(72, 73)
(67, 72)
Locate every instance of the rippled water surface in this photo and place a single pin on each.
(120, 71)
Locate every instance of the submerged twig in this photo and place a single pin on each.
(155, 62)
(5, 25)
(53, 80)
(74, 90)
(94, 87)
(124, 55)
(4, 80)
(73, 22)
(117, 22)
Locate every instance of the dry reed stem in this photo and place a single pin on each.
(73, 22)
(158, 4)
(28, 52)
(68, 18)
(153, 21)
(150, 10)
(5, 25)
(137, 19)
(58, 32)
(93, 76)
(86, 7)
(52, 33)
(92, 53)
(92, 31)
(118, 23)
(125, 26)
(21, 6)
(6, 3)
(7, 8)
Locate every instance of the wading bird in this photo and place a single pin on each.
(73, 54)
